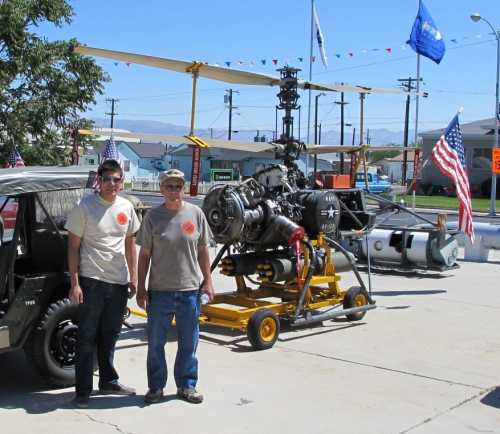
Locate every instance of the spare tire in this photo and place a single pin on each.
(52, 344)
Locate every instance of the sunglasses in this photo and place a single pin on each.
(110, 178)
(174, 187)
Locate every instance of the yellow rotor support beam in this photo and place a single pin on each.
(194, 69)
(197, 141)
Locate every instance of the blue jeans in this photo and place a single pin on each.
(99, 324)
(163, 305)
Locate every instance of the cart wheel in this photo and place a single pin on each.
(263, 329)
(355, 297)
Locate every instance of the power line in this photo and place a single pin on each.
(170, 95)
(218, 116)
(169, 114)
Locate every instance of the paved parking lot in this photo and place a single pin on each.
(427, 360)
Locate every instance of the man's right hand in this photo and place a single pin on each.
(76, 294)
(142, 298)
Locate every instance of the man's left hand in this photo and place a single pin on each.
(208, 288)
(132, 289)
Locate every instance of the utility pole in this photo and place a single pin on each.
(342, 103)
(316, 129)
(112, 114)
(406, 84)
(299, 120)
(276, 123)
(353, 135)
(228, 99)
(368, 138)
(211, 133)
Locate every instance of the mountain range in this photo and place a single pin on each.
(378, 136)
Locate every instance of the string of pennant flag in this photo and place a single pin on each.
(301, 59)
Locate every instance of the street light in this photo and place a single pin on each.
(476, 17)
(316, 116)
(316, 130)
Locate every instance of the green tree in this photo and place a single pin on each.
(44, 86)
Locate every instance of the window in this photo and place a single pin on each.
(126, 165)
(58, 204)
(481, 158)
(361, 177)
(221, 164)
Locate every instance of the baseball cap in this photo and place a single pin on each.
(171, 174)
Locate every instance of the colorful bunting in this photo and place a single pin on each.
(301, 59)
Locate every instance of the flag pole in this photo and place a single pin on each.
(416, 119)
(416, 111)
(310, 79)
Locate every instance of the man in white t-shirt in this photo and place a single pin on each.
(103, 271)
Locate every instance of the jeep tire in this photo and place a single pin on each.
(52, 344)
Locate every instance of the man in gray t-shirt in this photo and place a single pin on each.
(174, 240)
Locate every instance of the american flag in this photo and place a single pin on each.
(110, 152)
(449, 156)
(15, 159)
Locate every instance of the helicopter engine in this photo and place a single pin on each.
(268, 212)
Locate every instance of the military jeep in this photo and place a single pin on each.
(35, 312)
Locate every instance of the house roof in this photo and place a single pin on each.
(481, 127)
(249, 147)
(148, 150)
(400, 157)
(324, 164)
(142, 150)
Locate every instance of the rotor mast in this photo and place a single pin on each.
(288, 101)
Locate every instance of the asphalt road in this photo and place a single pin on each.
(425, 361)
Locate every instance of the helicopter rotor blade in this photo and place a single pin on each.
(219, 73)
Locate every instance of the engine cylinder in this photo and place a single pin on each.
(321, 211)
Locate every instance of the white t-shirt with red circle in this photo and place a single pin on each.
(103, 227)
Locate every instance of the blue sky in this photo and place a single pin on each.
(221, 30)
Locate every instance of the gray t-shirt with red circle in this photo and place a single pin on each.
(173, 238)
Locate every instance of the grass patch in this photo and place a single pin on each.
(444, 202)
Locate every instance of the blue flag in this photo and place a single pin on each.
(425, 37)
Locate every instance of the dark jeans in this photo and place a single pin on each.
(100, 322)
(163, 305)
